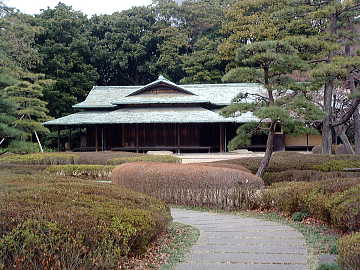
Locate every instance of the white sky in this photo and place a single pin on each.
(89, 7)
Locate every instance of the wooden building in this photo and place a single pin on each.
(160, 116)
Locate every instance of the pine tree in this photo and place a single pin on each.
(31, 110)
(271, 63)
(7, 119)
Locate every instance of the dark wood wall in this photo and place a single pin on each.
(144, 135)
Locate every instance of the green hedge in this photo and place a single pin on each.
(284, 161)
(61, 224)
(305, 175)
(41, 159)
(337, 165)
(145, 158)
(345, 209)
(87, 171)
(349, 251)
(335, 201)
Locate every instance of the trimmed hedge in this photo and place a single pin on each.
(332, 201)
(283, 161)
(41, 159)
(145, 158)
(337, 165)
(191, 185)
(305, 175)
(75, 225)
(87, 171)
(345, 209)
(349, 251)
(223, 165)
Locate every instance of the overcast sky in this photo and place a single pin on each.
(89, 7)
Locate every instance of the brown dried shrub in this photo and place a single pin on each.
(191, 185)
(223, 165)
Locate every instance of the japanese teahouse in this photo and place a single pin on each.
(161, 116)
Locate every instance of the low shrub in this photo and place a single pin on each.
(305, 175)
(332, 201)
(191, 185)
(317, 149)
(299, 216)
(22, 147)
(344, 209)
(87, 171)
(144, 158)
(41, 159)
(60, 224)
(341, 150)
(283, 161)
(337, 165)
(349, 251)
(328, 266)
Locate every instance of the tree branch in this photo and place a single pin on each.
(347, 115)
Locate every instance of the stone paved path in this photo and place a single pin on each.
(229, 242)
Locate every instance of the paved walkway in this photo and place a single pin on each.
(229, 242)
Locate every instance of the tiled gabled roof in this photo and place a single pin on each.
(217, 94)
(149, 115)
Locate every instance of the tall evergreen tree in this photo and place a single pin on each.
(31, 111)
(271, 63)
(64, 45)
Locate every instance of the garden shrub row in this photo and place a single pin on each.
(349, 251)
(82, 171)
(40, 159)
(337, 165)
(283, 161)
(305, 175)
(65, 224)
(191, 185)
(144, 158)
(335, 201)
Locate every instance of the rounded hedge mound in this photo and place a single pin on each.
(191, 185)
(336, 201)
(76, 225)
(223, 165)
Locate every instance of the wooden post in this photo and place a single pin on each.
(221, 146)
(225, 140)
(178, 137)
(137, 138)
(102, 138)
(70, 138)
(96, 139)
(58, 139)
(307, 142)
(122, 135)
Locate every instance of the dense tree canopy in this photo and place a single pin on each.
(199, 41)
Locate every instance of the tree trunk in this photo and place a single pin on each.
(269, 150)
(326, 128)
(357, 131)
(356, 114)
(341, 132)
